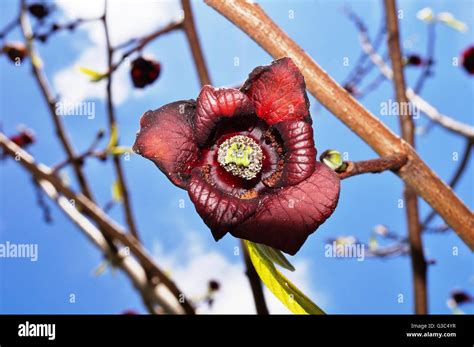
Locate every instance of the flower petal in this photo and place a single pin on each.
(300, 156)
(286, 218)
(278, 91)
(214, 103)
(220, 211)
(167, 139)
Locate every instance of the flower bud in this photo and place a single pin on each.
(15, 50)
(144, 71)
(333, 159)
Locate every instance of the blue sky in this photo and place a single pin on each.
(177, 236)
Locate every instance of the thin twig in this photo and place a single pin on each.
(9, 27)
(250, 18)
(51, 101)
(106, 226)
(378, 165)
(408, 134)
(454, 180)
(429, 58)
(56, 28)
(143, 42)
(81, 157)
(362, 66)
(255, 283)
(424, 106)
(113, 125)
(193, 40)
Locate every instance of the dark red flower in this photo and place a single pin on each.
(144, 71)
(467, 60)
(246, 157)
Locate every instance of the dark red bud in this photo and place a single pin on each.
(144, 71)
(15, 50)
(467, 60)
(38, 10)
(42, 38)
(214, 285)
(24, 138)
(414, 60)
(461, 297)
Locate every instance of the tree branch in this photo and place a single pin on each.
(163, 287)
(113, 125)
(393, 162)
(424, 106)
(252, 20)
(408, 134)
(51, 101)
(141, 43)
(255, 283)
(193, 40)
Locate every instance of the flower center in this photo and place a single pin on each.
(241, 156)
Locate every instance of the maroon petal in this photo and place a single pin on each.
(167, 139)
(278, 91)
(213, 104)
(286, 218)
(220, 211)
(300, 156)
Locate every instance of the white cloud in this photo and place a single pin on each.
(194, 265)
(127, 19)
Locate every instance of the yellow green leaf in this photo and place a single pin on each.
(94, 75)
(101, 268)
(279, 285)
(373, 244)
(119, 150)
(117, 195)
(448, 19)
(275, 256)
(426, 14)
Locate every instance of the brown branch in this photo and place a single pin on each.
(106, 226)
(353, 168)
(253, 20)
(113, 125)
(408, 134)
(424, 106)
(193, 40)
(43, 84)
(255, 283)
